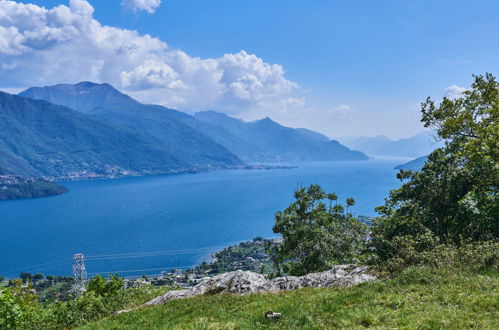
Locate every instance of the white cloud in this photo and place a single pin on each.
(454, 92)
(41, 46)
(342, 110)
(138, 5)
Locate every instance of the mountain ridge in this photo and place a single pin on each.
(418, 145)
(228, 139)
(270, 141)
(40, 139)
(171, 127)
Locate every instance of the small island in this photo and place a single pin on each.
(17, 187)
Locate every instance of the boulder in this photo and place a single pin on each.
(245, 282)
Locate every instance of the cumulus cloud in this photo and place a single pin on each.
(138, 5)
(41, 46)
(454, 92)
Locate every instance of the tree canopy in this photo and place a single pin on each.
(317, 233)
(454, 196)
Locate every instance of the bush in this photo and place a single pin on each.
(426, 250)
(17, 303)
(106, 288)
(20, 309)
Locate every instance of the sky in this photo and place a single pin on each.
(343, 68)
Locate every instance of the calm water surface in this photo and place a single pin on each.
(195, 213)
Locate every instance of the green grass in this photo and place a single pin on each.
(419, 298)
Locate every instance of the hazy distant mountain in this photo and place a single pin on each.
(366, 144)
(38, 138)
(177, 130)
(414, 165)
(415, 146)
(267, 141)
(206, 137)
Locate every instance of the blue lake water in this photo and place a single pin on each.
(182, 218)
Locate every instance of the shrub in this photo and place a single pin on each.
(426, 250)
(17, 303)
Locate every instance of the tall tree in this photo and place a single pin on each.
(454, 196)
(315, 233)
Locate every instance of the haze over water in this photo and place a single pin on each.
(202, 212)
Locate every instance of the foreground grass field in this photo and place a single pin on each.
(418, 298)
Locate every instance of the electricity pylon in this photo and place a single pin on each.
(79, 273)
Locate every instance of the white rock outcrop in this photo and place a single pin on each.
(244, 282)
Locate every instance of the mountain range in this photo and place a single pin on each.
(172, 128)
(93, 130)
(267, 141)
(417, 145)
(260, 141)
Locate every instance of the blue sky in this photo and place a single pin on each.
(349, 67)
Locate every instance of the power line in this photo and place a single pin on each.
(39, 265)
(144, 255)
(155, 252)
(127, 255)
(141, 270)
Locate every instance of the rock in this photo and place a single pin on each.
(244, 282)
(342, 275)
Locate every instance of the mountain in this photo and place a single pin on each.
(38, 139)
(417, 145)
(414, 165)
(174, 129)
(366, 144)
(207, 137)
(267, 141)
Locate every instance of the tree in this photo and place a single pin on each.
(454, 196)
(2, 279)
(38, 277)
(16, 303)
(25, 277)
(106, 288)
(315, 235)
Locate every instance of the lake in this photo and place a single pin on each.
(142, 225)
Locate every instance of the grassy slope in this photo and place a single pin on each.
(419, 298)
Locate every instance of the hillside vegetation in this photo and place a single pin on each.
(418, 298)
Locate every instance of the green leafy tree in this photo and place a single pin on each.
(315, 233)
(454, 196)
(25, 277)
(106, 288)
(17, 303)
(38, 277)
